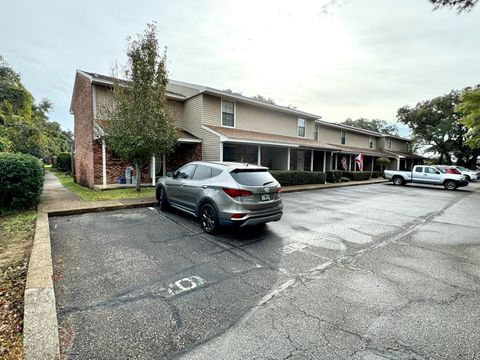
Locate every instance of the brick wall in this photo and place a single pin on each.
(115, 166)
(183, 153)
(83, 119)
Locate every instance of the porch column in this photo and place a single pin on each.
(311, 162)
(324, 161)
(259, 155)
(104, 165)
(373, 161)
(153, 170)
(164, 165)
(288, 159)
(350, 163)
(398, 163)
(336, 161)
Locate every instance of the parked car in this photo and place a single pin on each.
(424, 174)
(222, 194)
(448, 169)
(470, 174)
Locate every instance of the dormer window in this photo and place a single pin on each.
(301, 127)
(315, 134)
(228, 113)
(370, 142)
(343, 137)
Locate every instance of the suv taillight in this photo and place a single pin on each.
(237, 192)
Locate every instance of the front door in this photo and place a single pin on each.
(300, 160)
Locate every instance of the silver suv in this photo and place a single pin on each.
(222, 194)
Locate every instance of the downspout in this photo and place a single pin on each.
(104, 165)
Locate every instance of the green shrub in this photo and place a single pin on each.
(357, 175)
(293, 177)
(375, 174)
(334, 176)
(21, 180)
(344, 179)
(64, 162)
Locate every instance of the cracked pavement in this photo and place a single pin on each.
(367, 272)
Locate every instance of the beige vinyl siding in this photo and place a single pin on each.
(192, 116)
(253, 118)
(176, 109)
(193, 124)
(182, 90)
(210, 146)
(104, 101)
(329, 135)
(357, 140)
(399, 145)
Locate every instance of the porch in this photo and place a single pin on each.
(276, 157)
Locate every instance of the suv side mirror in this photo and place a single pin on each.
(437, 172)
(169, 174)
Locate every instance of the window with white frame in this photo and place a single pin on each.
(343, 137)
(409, 147)
(370, 142)
(389, 142)
(228, 113)
(301, 127)
(315, 134)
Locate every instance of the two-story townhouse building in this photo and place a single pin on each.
(216, 125)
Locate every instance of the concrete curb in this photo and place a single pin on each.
(297, 188)
(40, 329)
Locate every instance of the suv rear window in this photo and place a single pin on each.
(252, 177)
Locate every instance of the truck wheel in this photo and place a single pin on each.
(450, 185)
(397, 180)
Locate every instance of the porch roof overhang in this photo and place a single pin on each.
(404, 155)
(364, 151)
(184, 137)
(233, 135)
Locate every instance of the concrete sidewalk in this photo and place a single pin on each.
(58, 200)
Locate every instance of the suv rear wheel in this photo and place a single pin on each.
(209, 219)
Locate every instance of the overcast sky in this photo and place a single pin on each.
(355, 58)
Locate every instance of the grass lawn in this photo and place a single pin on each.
(91, 195)
(16, 237)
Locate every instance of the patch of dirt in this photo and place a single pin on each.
(17, 230)
(12, 287)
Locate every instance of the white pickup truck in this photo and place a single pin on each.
(424, 174)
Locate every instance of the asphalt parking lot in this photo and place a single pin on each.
(365, 272)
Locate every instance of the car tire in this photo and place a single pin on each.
(208, 217)
(468, 178)
(398, 180)
(450, 185)
(162, 199)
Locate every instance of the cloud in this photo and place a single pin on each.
(338, 59)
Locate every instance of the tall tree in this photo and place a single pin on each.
(470, 109)
(24, 125)
(436, 124)
(460, 5)
(139, 125)
(374, 125)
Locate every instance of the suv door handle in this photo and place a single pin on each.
(204, 186)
